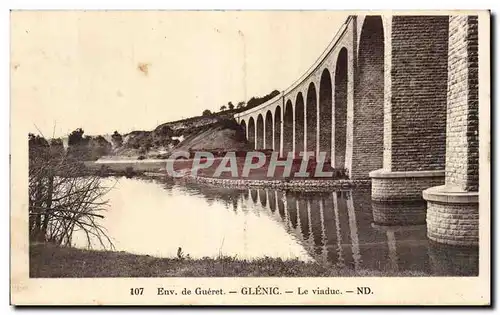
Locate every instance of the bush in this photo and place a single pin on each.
(117, 139)
(63, 197)
(129, 172)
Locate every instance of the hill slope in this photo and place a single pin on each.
(225, 135)
(200, 133)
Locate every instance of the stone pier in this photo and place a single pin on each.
(414, 109)
(453, 209)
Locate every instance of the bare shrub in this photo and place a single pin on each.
(63, 197)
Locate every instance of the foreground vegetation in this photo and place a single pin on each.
(52, 261)
(63, 196)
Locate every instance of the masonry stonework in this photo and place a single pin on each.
(415, 115)
(453, 224)
(406, 187)
(398, 213)
(462, 145)
(418, 105)
(368, 115)
(453, 209)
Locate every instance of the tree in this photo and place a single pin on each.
(36, 141)
(117, 139)
(97, 147)
(87, 148)
(164, 131)
(57, 147)
(76, 137)
(63, 197)
(256, 101)
(223, 108)
(230, 105)
(78, 145)
(207, 112)
(240, 104)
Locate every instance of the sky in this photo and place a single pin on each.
(132, 70)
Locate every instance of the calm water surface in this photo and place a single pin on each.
(334, 228)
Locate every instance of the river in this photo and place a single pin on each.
(156, 218)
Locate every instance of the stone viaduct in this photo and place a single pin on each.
(393, 98)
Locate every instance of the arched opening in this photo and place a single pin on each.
(251, 133)
(299, 124)
(311, 118)
(288, 128)
(368, 136)
(243, 125)
(268, 134)
(260, 132)
(325, 114)
(277, 129)
(340, 109)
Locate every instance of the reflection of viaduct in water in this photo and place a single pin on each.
(337, 228)
(394, 98)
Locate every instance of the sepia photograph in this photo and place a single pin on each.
(250, 157)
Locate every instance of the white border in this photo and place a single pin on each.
(185, 4)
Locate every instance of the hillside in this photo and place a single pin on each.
(204, 120)
(224, 135)
(214, 131)
(199, 133)
(210, 131)
(180, 127)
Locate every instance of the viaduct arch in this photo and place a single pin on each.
(380, 102)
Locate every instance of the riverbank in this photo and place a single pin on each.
(212, 168)
(49, 261)
(283, 184)
(124, 165)
(257, 178)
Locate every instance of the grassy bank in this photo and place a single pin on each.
(48, 261)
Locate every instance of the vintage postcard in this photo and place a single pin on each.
(250, 158)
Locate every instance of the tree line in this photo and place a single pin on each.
(241, 106)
